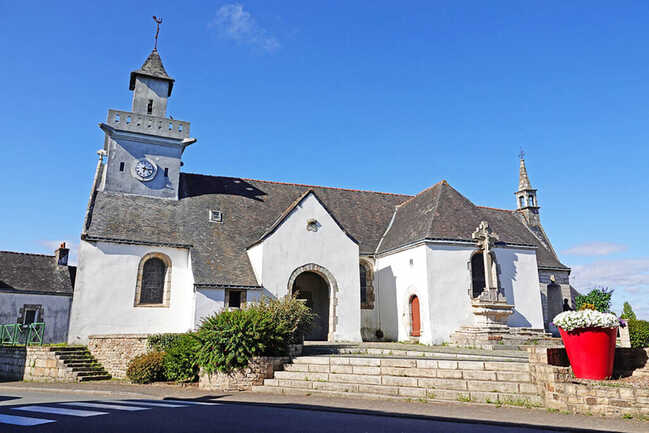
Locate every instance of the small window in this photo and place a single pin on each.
(30, 317)
(166, 172)
(216, 216)
(234, 300)
(149, 107)
(363, 274)
(521, 201)
(530, 201)
(121, 166)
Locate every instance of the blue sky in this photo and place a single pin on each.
(365, 94)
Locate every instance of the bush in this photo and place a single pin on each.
(162, 342)
(600, 298)
(292, 314)
(180, 360)
(229, 339)
(146, 368)
(639, 333)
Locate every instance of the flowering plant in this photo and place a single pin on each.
(571, 320)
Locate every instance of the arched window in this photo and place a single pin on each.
(521, 200)
(366, 276)
(154, 275)
(477, 274)
(530, 200)
(363, 275)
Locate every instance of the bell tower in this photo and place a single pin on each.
(143, 146)
(526, 203)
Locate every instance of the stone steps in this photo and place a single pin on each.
(513, 354)
(78, 361)
(487, 380)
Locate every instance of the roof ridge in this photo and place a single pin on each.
(304, 185)
(26, 254)
(495, 208)
(441, 182)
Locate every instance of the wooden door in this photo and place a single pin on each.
(415, 325)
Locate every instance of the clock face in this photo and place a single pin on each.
(145, 169)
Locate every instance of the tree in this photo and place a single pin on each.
(627, 312)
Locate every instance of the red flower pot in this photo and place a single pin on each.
(591, 351)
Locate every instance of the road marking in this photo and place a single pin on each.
(146, 403)
(104, 406)
(60, 411)
(23, 420)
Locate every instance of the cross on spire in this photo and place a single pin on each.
(522, 154)
(158, 21)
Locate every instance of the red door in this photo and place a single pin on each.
(414, 314)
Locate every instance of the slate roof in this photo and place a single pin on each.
(249, 207)
(253, 208)
(152, 67)
(442, 213)
(23, 272)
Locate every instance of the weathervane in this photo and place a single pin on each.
(522, 154)
(158, 21)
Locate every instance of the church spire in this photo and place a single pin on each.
(523, 179)
(526, 195)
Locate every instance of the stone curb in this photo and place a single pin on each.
(69, 390)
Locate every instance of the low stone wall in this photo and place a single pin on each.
(115, 351)
(559, 389)
(34, 363)
(243, 379)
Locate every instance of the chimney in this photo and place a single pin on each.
(61, 254)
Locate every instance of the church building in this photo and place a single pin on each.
(162, 248)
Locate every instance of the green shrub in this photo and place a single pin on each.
(600, 298)
(639, 333)
(291, 314)
(146, 368)
(230, 338)
(162, 342)
(181, 361)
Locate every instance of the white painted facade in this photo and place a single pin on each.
(439, 275)
(55, 311)
(104, 295)
(291, 246)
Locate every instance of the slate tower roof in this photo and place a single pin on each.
(152, 67)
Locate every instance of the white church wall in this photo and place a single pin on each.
(256, 257)
(519, 278)
(292, 246)
(208, 302)
(397, 277)
(55, 310)
(449, 281)
(106, 282)
(369, 323)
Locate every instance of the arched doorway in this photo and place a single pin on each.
(311, 287)
(415, 319)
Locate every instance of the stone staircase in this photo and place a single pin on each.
(421, 375)
(79, 363)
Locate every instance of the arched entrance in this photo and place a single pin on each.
(313, 289)
(415, 320)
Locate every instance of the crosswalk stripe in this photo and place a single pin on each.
(104, 406)
(60, 411)
(22, 420)
(146, 403)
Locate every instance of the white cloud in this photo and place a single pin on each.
(233, 22)
(628, 277)
(595, 249)
(51, 246)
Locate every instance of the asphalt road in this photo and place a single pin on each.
(52, 412)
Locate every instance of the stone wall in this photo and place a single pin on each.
(115, 351)
(243, 379)
(560, 390)
(34, 363)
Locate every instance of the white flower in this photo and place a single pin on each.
(570, 320)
